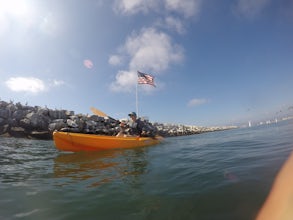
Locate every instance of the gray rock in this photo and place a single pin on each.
(19, 114)
(4, 129)
(55, 114)
(4, 113)
(2, 121)
(57, 124)
(71, 123)
(3, 104)
(38, 121)
(25, 123)
(43, 111)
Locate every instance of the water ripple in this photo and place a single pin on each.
(221, 175)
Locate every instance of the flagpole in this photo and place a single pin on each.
(136, 99)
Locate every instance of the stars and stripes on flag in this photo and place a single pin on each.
(144, 78)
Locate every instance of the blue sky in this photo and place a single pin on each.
(214, 62)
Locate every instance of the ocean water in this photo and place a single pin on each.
(212, 176)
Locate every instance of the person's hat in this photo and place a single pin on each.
(132, 114)
(124, 121)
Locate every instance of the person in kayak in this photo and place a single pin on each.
(135, 124)
(123, 129)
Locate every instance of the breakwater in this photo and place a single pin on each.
(18, 120)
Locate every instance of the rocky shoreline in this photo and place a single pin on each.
(35, 122)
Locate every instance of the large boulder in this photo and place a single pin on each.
(57, 124)
(57, 114)
(43, 111)
(4, 113)
(3, 121)
(4, 129)
(3, 104)
(37, 121)
(19, 114)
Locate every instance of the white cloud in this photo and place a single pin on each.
(250, 8)
(115, 60)
(152, 50)
(31, 84)
(124, 81)
(197, 102)
(134, 6)
(187, 8)
(25, 84)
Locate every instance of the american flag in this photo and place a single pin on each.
(144, 78)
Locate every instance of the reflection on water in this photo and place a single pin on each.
(97, 168)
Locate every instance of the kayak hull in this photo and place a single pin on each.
(67, 141)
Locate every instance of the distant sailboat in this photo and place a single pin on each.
(249, 124)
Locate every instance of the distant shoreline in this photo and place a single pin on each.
(35, 122)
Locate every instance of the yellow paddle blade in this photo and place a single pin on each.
(98, 112)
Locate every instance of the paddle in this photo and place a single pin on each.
(98, 112)
(101, 114)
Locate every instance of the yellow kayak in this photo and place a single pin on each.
(68, 141)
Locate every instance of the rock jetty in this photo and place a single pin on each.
(35, 122)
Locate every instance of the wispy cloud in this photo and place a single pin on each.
(149, 50)
(196, 102)
(249, 8)
(130, 7)
(181, 11)
(187, 8)
(115, 60)
(57, 83)
(172, 23)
